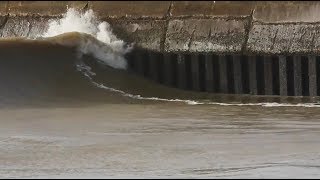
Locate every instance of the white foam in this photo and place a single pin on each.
(193, 102)
(103, 44)
(86, 70)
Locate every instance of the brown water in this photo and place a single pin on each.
(55, 123)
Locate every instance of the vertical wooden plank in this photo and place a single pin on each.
(138, 64)
(182, 76)
(297, 76)
(283, 76)
(223, 74)
(237, 74)
(130, 59)
(209, 73)
(195, 72)
(268, 79)
(153, 66)
(253, 75)
(167, 70)
(312, 69)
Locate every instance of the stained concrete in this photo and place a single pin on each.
(284, 38)
(130, 9)
(211, 8)
(3, 8)
(205, 35)
(144, 33)
(188, 26)
(280, 12)
(42, 8)
(25, 26)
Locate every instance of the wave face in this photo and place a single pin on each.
(94, 37)
(55, 72)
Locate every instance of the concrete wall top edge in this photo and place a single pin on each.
(264, 11)
(130, 9)
(287, 11)
(42, 8)
(212, 8)
(157, 9)
(3, 7)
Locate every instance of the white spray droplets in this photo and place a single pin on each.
(103, 44)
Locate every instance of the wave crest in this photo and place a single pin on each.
(89, 36)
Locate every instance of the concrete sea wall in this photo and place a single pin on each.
(186, 26)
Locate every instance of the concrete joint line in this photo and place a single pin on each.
(6, 18)
(167, 18)
(191, 38)
(247, 32)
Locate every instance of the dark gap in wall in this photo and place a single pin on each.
(275, 75)
(202, 72)
(188, 71)
(174, 69)
(245, 74)
(290, 78)
(161, 68)
(145, 63)
(260, 74)
(216, 73)
(305, 76)
(130, 59)
(181, 71)
(318, 74)
(157, 57)
(230, 76)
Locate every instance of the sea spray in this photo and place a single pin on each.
(90, 36)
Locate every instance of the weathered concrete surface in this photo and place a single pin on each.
(146, 34)
(42, 8)
(205, 35)
(3, 21)
(194, 26)
(294, 11)
(25, 27)
(285, 27)
(211, 8)
(3, 8)
(284, 38)
(130, 9)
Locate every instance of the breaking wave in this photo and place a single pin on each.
(89, 36)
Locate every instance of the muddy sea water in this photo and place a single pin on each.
(57, 123)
